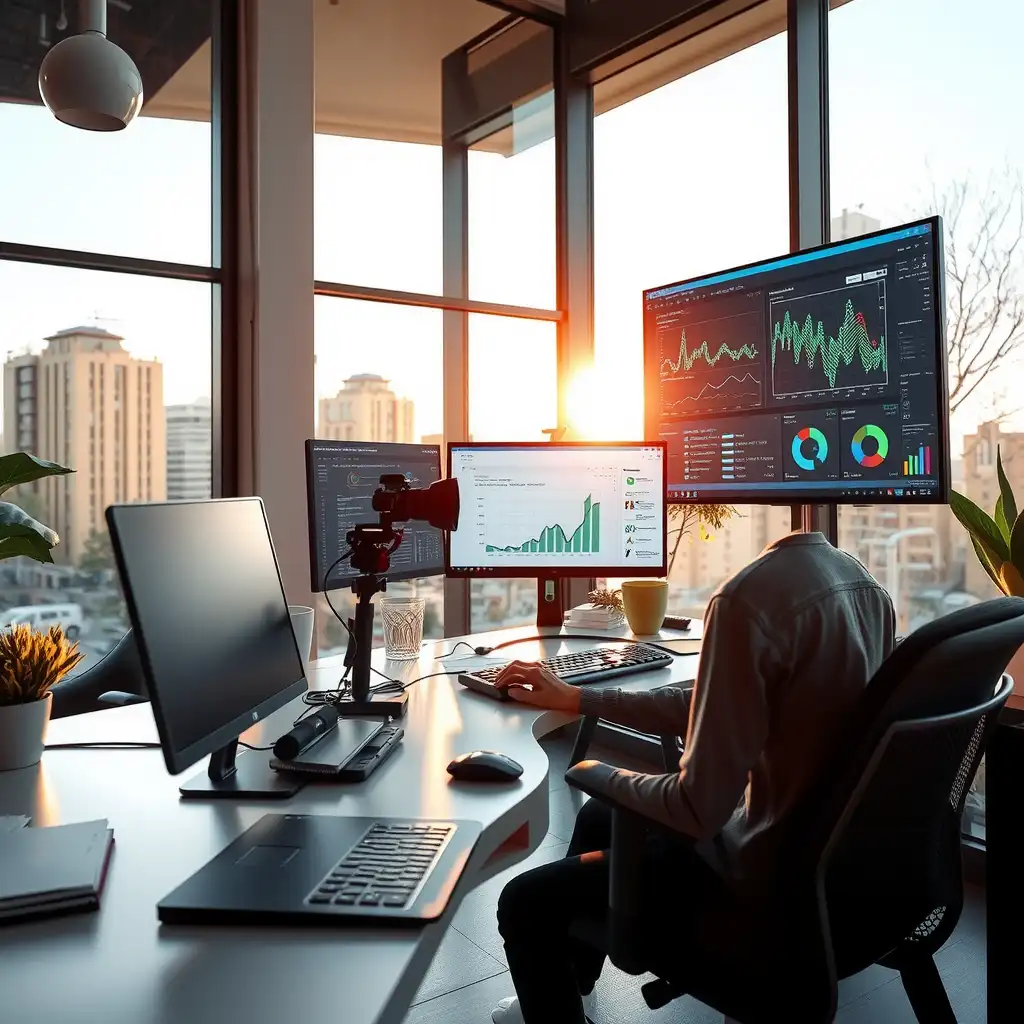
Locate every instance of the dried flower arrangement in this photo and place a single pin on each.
(32, 663)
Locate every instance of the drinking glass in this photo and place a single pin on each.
(403, 626)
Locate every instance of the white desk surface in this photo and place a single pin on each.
(120, 966)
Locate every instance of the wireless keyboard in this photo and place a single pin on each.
(580, 668)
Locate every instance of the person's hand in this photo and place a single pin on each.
(531, 683)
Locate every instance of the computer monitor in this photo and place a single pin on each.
(211, 622)
(559, 509)
(818, 376)
(341, 477)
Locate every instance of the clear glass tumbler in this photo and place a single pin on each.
(403, 626)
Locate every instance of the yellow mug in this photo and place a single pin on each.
(645, 603)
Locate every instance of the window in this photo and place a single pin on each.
(689, 178)
(73, 325)
(378, 378)
(915, 167)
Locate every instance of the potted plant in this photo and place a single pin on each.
(998, 541)
(31, 664)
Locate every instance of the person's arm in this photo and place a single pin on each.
(727, 732)
(661, 712)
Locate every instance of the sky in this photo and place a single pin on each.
(689, 179)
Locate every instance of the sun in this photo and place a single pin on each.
(598, 408)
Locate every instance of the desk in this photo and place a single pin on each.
(119, 966)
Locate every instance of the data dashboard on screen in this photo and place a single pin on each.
(568, 509)
(341, 477)
(818, 376)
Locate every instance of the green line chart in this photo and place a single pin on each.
(585, 539)
(685, 361)
(807, 357)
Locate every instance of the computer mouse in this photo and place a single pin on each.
(484, 766)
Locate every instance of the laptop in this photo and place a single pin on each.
(313, 869)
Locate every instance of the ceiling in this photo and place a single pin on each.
(160, 36)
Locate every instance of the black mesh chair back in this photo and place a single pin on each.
(117, 674)
(885, 842)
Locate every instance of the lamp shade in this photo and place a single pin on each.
(89, 82)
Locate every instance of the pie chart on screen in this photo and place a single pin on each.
(870, 446)
(810, 448)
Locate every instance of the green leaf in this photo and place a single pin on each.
(1017, 544)
(986, 564)
(980, 526)
(1000, 519)
(1006, 499)
(31, 544)
(14, 522)
(22, 468)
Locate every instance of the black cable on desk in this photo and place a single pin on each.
(105, 745)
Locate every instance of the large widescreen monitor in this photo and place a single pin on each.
(559, 509)
(819, 376)
(341, 477)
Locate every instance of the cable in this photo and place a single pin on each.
(462, 643)
(105, 745)
(249, 746)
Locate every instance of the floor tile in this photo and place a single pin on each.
(457, 963)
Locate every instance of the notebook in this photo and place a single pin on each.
(55, 870)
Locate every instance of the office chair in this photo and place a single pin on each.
(869, 862)
(115, 680)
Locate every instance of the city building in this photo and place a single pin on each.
(366, 409)
(86, 403)
(189, 450)
(851, 223)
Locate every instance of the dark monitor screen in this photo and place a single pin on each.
(210, 619)
(819, 376)
(559, 509)
(341, 477)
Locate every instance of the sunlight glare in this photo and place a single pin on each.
(598, 408)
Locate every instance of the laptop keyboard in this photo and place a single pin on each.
(385, 868)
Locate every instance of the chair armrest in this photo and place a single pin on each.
(594, 779)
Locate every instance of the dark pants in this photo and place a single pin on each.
(536, 909)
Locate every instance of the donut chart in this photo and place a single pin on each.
(818, 454)
(857, 446)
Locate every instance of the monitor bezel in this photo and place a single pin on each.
(178, 761)
(752, 496)
(316, 584)
(561, 572)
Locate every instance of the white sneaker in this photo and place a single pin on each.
(508, 1012)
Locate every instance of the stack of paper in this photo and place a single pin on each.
(594, 616)
(53, 870)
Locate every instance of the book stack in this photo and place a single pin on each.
(48, 871)
(594, 616)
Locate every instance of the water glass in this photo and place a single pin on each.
(403, 626)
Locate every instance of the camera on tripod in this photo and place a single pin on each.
(372, 545)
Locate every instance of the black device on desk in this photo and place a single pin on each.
(211, 622)
(350, 753)
(579, 668)
(484, 766)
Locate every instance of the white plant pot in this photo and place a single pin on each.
(22, 727)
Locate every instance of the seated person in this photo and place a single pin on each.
(790, 643)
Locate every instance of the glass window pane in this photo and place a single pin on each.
(377, 213)
(887, 168)
(144, 191)
(689, 178)
(512, 221)
(512, 397)
(379, 377)
(109, 374)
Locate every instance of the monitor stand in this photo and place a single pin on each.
(240, 775)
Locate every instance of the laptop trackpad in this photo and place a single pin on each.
(267, 856)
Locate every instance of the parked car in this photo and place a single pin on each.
(43, 616)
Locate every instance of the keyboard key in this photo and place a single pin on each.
(320, 897)
(345, 899)
(394, 901)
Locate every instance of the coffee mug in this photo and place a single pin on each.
(645, 603)
(302, 626)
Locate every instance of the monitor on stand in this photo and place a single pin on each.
(558, 510)
(211, 622)
(816, 377)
